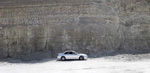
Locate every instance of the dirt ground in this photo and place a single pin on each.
(109, 64)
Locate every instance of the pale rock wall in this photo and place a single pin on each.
(35, 29)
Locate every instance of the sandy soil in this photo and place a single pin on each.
(115, 64)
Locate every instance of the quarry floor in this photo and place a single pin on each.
(109, 64)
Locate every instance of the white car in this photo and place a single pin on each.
(71, 55)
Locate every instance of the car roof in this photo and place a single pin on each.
(69, 51)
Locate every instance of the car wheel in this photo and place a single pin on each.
(81, 58)
(63, 58)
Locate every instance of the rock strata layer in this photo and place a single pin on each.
(35, 29)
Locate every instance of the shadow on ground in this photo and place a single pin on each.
(71, 60)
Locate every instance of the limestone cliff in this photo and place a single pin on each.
(43, 28)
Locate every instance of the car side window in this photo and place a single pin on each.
(71, 52)
(66, 52)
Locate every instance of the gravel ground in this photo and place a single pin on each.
(109, 64)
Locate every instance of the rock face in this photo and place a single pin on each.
(34, 29)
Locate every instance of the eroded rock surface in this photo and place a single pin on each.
(34, 29)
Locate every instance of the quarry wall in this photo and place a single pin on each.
(35, 29)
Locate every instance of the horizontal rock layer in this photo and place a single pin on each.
(35, 29)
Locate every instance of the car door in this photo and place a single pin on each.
(73, 55)
(67, 55)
